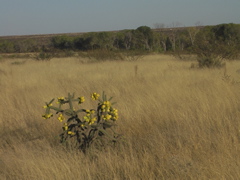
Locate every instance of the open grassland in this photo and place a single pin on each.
(179, 123)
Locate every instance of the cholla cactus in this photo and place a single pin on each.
(85, 127)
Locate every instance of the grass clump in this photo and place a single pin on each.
(178, 123)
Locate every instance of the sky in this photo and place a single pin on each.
(28, 17)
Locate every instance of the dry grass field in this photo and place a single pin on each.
(179, 123)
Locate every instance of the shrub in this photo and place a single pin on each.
(103, 55)
(44, 56)
(134, 55)
(210, 62)
(85, 128)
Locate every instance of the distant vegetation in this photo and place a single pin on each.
(208, 42)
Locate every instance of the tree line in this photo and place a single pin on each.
(223, 38)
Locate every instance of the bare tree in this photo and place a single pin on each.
(159, 25)
(192, 31)
(198, 23)
(176, 24)
(173, 34)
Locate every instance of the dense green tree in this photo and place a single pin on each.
(119, 40)
(168, 44)
(145, 37)
(63, 42)
(84, 43)
(105, 40)
(228, 33)
(222, 41)
(6, 47)
(128, 39)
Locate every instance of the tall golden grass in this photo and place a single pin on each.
(178, 123)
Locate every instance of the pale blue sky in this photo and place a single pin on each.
(23, 17)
